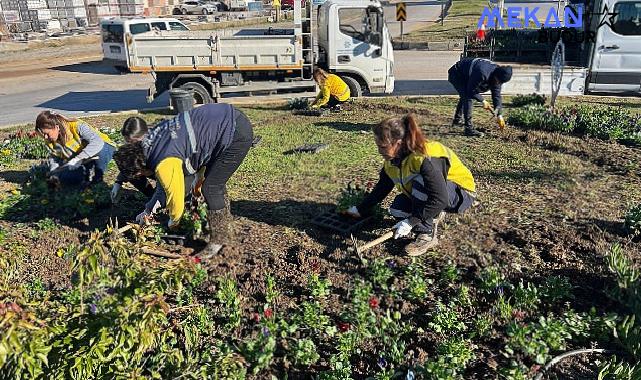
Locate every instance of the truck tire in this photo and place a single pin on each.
(184, 11)
(201, 95)
(355, 89)
(176, 11)
(205, 12)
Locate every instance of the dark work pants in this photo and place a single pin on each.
(220, 169)
(464, 105)
(333, 101)
(459, 201)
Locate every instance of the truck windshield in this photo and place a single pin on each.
(352, 22)
(627, 19)
(112, 33)
(173, 25)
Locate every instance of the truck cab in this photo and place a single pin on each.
(354, 42)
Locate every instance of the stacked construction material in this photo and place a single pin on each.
(71, 13)
(131, 8)
(18, 17)
(155, 8)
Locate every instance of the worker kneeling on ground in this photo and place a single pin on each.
(333, 90)
(431, 178)
(79, 153)
(214, 138)
(470, 77)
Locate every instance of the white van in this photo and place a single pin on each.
(116, 30)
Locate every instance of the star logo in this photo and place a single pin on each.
(605, 18)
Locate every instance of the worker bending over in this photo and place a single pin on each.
(430, 177)
(333, 90)
(472, 76)
(214, 138)
(79, 153)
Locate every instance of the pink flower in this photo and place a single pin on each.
(268, 313)
(343, 326)
(373, 302)
(256, 317)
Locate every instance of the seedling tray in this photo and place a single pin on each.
(339, 223)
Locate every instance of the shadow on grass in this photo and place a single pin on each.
(345, 126)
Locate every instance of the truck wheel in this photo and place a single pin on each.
(355, 89)
(201, 95)
(205, 12)
(184, 11)
(176, 11)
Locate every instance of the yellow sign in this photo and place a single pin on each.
(275, 3)
(401, 13)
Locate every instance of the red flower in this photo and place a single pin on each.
(343, 326)
(268, 313)
(256, 317)
(196, 260)
(373, 302)
(518, 315)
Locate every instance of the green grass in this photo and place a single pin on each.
(462, 16)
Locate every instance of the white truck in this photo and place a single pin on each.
(612, 51)
(350, 39)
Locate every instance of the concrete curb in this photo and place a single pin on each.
(451, 45)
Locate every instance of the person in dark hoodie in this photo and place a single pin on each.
(213, 140)
(471, 77)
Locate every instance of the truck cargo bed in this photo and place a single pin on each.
(244, 50)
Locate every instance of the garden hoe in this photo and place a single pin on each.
(360, 249)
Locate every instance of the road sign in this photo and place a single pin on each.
(401, 14)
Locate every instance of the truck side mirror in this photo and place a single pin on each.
(375, 38)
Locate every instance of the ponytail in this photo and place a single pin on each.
(414, 140)
(405, 129)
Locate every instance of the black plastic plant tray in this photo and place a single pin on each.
(340, 223)
(310, 112)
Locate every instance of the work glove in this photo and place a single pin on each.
(143, 217)
(487, 106)
(314, 107)
(403, 228)
(353, 212)
(115, 191)
(73, 164)
(501, 122)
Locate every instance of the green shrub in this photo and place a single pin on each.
(539, 117)
(524, 100)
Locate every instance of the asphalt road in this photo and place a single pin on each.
(93, 88)
(420, 14)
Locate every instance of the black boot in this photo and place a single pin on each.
(470, 131)
(221, 231)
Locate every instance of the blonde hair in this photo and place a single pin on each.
(320, 75)
(50, 119)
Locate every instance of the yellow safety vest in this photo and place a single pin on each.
(74, 143)
(411, 168)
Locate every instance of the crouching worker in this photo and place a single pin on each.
(430, 177)
(214, 138)
(333, 90)
(79, 153)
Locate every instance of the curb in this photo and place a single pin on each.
(451, 45)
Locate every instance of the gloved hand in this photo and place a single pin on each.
(353, 212)
(143, 217)
(72, 164)
(314, 107)
(115, 191)
(487, 106)
(501, 122)
(403, 228)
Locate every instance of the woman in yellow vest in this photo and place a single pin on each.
(333, 90)
(79, 154)
(432, 180)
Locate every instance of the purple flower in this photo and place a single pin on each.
(93, 309)
(382, 362)
(500, 291)
(111, 291)
(266, 332)
(391, 264)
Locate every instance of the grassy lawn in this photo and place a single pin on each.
(525, 276)
(462, 16)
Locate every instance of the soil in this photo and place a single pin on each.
(530, 224)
